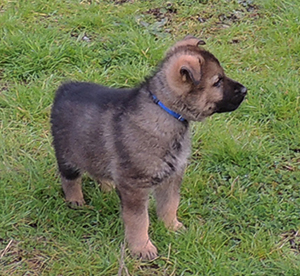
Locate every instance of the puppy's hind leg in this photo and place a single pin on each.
(71, 184)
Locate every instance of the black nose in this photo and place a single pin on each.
(240, 90)
(243, 90)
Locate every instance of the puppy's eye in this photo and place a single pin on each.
(218, 82)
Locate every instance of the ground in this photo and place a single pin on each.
(240, 196)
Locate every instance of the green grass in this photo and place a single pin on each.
(240, 197)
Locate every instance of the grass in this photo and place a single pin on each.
(240, 196)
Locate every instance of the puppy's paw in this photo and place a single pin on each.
(106, 186)
(75, 202)
(146, 252)
(176, 226)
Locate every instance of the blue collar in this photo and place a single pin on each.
(171, 112)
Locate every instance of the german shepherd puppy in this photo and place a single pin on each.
(139, 138)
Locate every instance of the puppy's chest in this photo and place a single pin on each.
(178, 152)
(174, 160)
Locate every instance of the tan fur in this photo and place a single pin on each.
(177, 81)
(136, 228)
(106, 185)
(167, 201)
(73, 191)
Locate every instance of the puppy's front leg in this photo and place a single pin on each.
(167, 200)
(135, 215)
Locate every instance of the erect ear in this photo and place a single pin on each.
(183, 72)
(189, 40)
(195, 39)
(190, 69)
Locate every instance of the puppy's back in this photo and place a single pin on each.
(92, 94)
(81, 106)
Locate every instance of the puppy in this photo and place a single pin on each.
(139, 138)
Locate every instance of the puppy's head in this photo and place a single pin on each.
(200, 85)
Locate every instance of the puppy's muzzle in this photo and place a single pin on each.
(232, 98)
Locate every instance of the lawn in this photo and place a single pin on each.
(240, 196)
